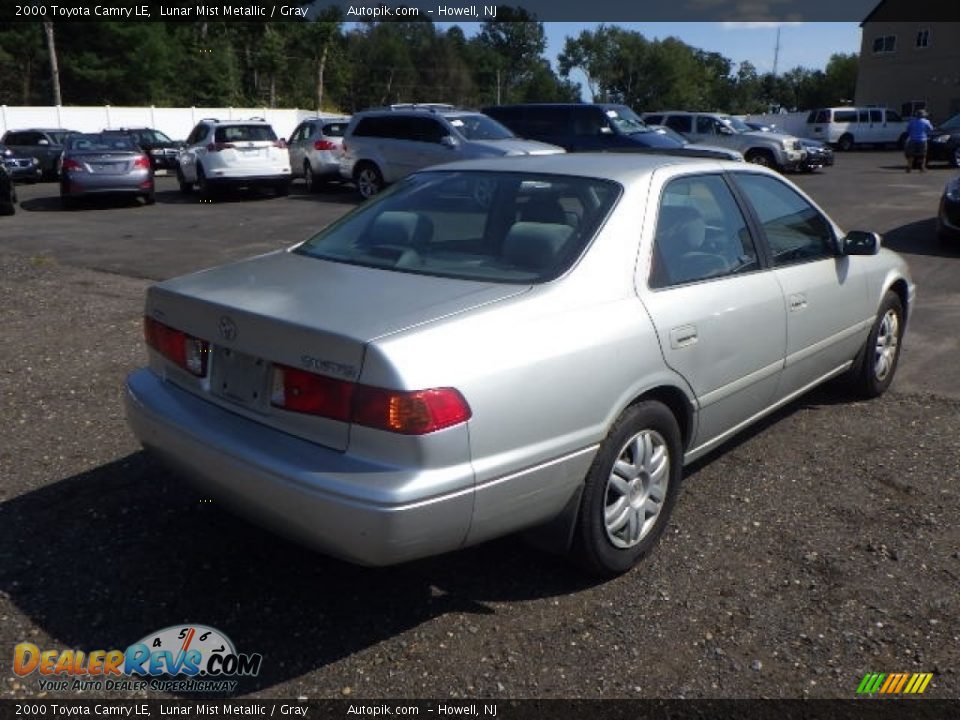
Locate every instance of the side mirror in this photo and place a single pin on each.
(860, 242)
(724, 130)
(43, 141)
(450, 142)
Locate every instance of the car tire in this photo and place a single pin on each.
(203, 185)
(629, 491)
(66, 201)
(877, 362)
(150, 198)
(282, 189)
(845, 142)
(313, 184)
(185, 187)
(955, 157)
(902, 141)
(9, 206)
(368, 179)
(763, 158)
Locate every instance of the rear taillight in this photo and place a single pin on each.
(280, 144)
(72, 165)
(409, 413)
(308, 392)
(324, 145)
(183, 350)
(218, 146)
(142, 162)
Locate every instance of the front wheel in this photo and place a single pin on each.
(877, 363)
(761, 157)
(185, 187)
(630, 490)
(845, 142)
(313, 184)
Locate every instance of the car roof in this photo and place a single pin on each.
(620, 167)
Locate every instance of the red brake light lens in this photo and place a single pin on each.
(409, 413)
(218, 146)
(183, 350)
(307, 392)
(71, 164)
(142, 162)
(324, 145)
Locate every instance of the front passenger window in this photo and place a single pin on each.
(795, 230)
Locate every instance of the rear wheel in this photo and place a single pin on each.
(902, 141)
(877, 363)
(845, 142)
(185, 187)
(150, 198)
(955, 157)
(630, 490)
(8, 205)
(203, 185)
(311, 180)
(282, 189)
(368, 179)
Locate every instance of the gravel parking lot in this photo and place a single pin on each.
(817, 547)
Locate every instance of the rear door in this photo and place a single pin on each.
(828, 313)
(297, 147)
(718, 311)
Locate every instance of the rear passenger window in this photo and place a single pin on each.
(795, 230)
(680, 123)
(701, 233)
(334, 129)
(845, 116)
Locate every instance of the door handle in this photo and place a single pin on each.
(683, 336)
(798, 302)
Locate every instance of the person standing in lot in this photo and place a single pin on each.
(918, 133)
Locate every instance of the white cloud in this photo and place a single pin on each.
(756, 25)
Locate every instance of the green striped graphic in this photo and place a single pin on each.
(871, 683)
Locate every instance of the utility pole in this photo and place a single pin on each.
(54, 68)
(776, 52)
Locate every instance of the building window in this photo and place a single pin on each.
(923, 38)
(884, 44)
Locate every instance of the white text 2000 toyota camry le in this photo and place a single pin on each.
(511, 343)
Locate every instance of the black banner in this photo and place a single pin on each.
(466, 11)
(865, 709)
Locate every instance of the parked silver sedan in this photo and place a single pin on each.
(100, 163)
(508, 344)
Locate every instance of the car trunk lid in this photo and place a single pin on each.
(302, 312)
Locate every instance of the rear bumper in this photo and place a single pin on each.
(239, 180)
(336, 503)
(87, 183)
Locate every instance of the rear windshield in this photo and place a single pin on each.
(58, 137)
(479, 127)
(100, 142)
(487, 226)
(335, 129)
(241, 133)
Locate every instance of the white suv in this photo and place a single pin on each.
(233, 153)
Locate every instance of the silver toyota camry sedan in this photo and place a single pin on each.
(500, 345)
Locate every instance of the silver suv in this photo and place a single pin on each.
(315, 148)
(782, 152)
(384, 145)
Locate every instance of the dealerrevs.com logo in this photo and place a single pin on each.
(179, 658)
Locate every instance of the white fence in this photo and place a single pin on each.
(175, 122)
(794, 123)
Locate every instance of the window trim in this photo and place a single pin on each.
(883, 42)
(925, 34)
(760, 246)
